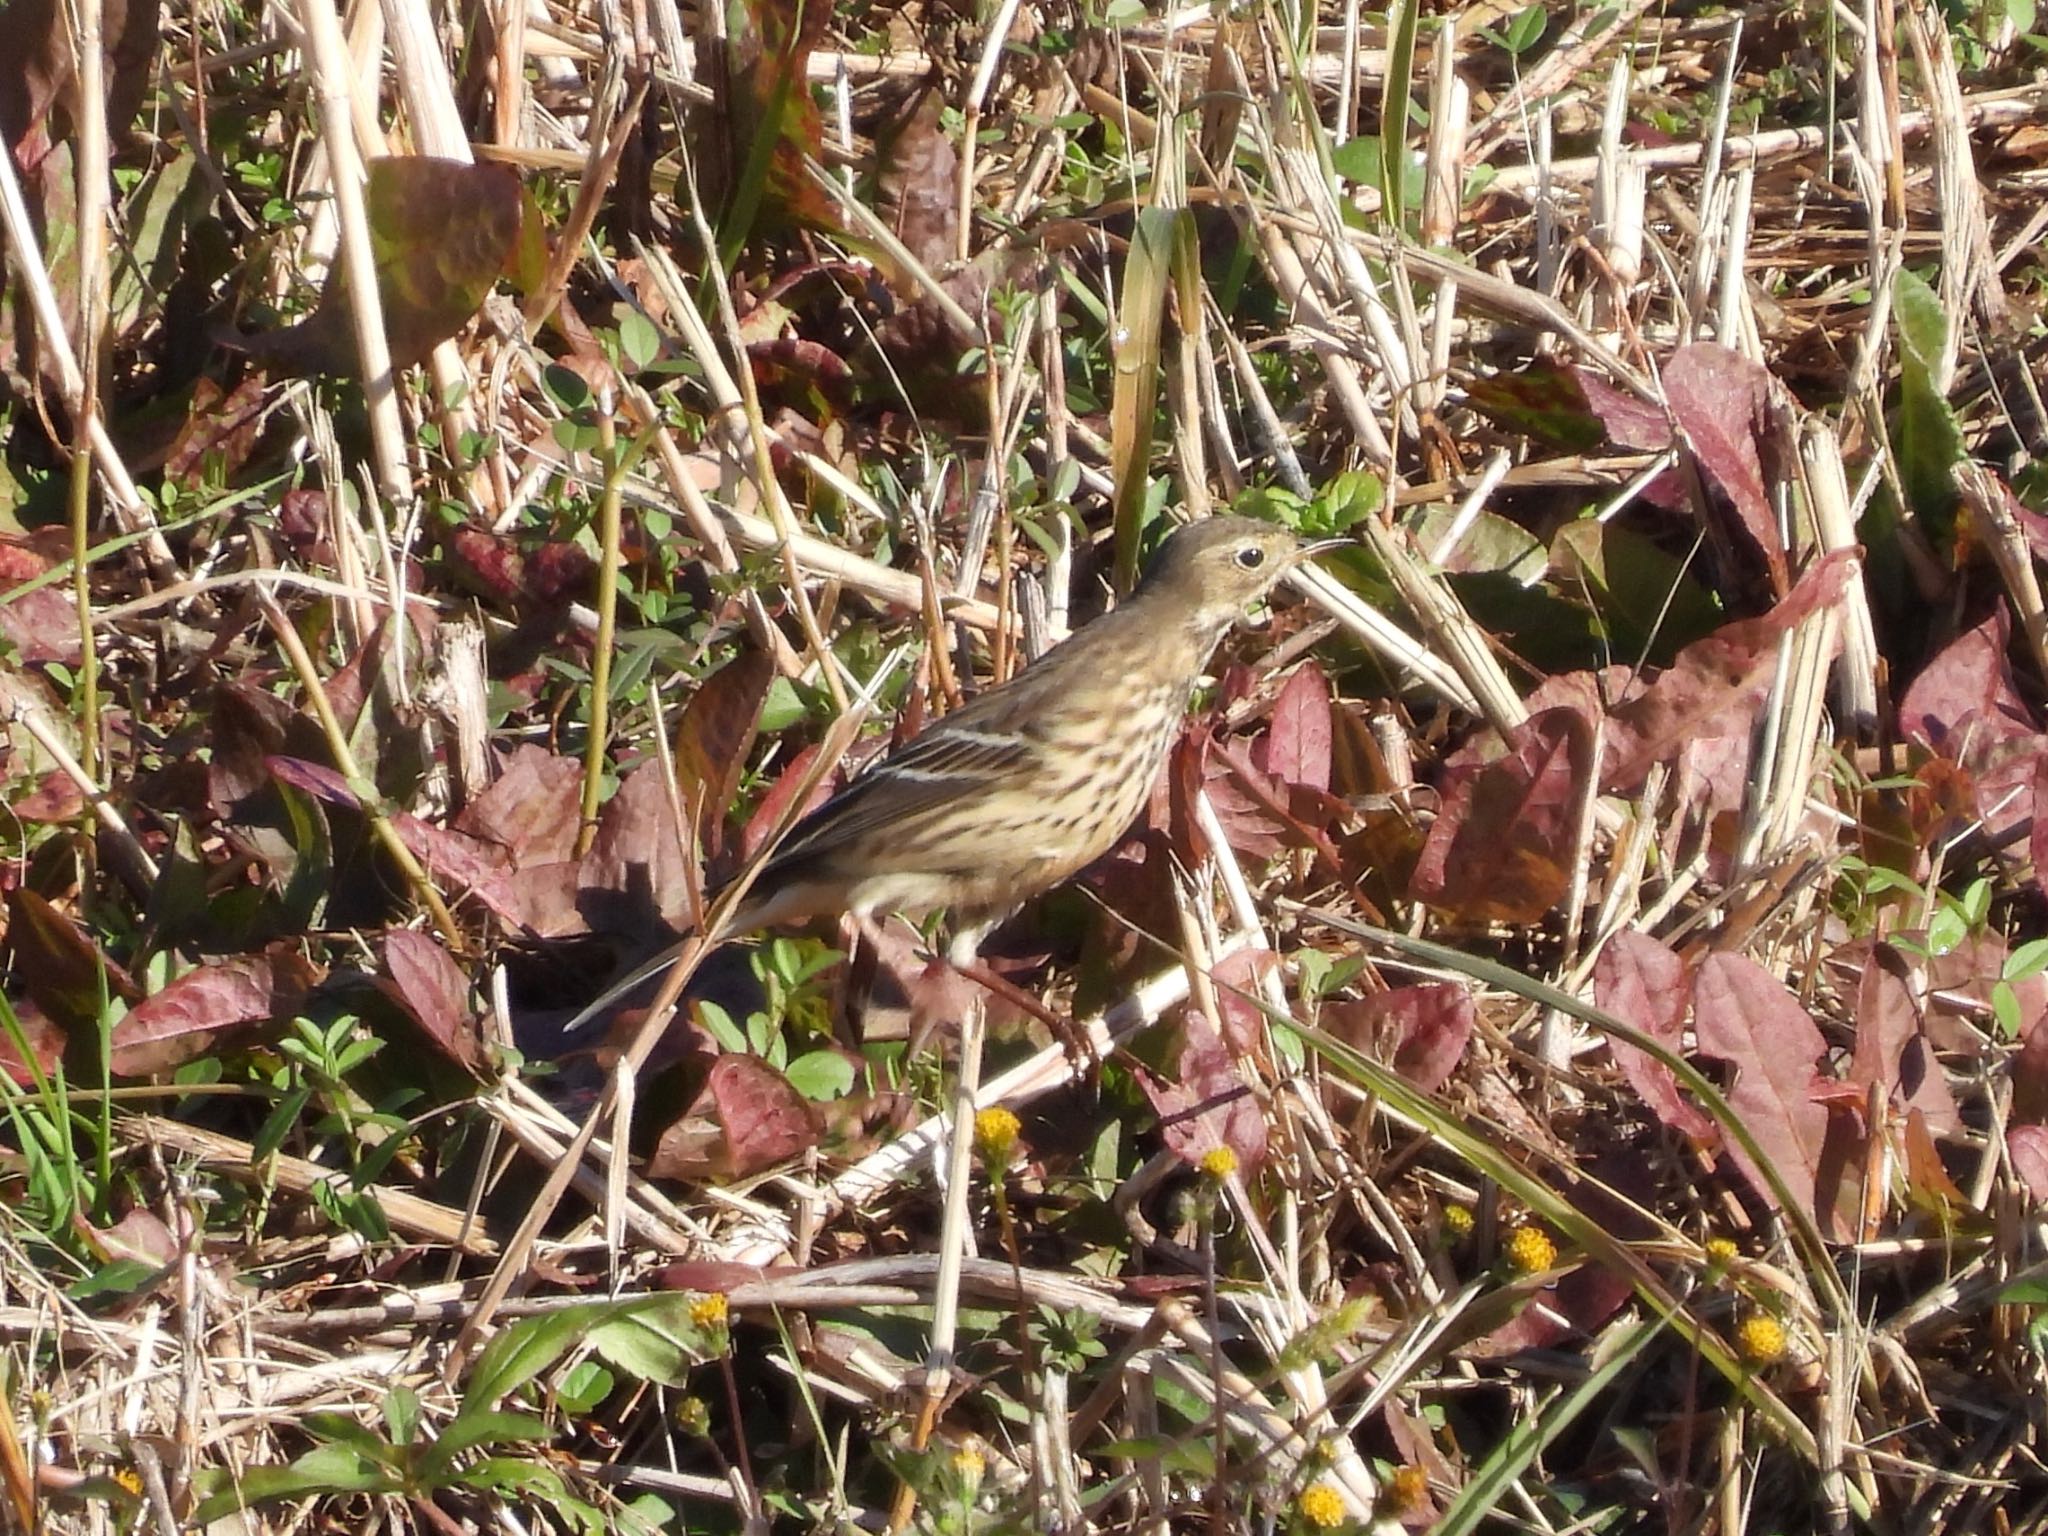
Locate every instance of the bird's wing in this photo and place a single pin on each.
(933, 769)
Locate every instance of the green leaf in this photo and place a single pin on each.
(470, 1429)
(1928, 439)
(820, 1075)
(655, 1341)
(587, 1384)
(519, 1354)
(402, 1415)
(331, 1469)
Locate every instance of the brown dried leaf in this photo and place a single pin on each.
(714, 739)
(532, 809)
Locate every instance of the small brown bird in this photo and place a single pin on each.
(1039, 776)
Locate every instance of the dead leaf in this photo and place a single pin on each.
(1504, 840)
(423, 979)
(1744, 1016)
(1644, 983)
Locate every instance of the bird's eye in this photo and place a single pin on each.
(1251, 557)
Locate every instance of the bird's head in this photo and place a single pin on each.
(1215, 569)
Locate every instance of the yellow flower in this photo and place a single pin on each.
(1760, 1340)
(1404, 1491)
(1722, 1253)
(708, 1311)
(1218, 1163)
(1458, 1220)
(995, 1135)
(1321, 1505)
(968, 1465)
(1530, 1250)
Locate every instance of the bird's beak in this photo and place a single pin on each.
(1319, 547)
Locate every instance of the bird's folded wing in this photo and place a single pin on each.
(932, 770)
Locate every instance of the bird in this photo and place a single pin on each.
(1036, 778)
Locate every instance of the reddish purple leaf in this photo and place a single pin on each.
(1237, 977)
(1210, 1106)
(1965, 698)
(748, 1119)
(638, 856)
(62, 970)
(1296, 747)
(1744, 1016)
(199, 1010)
(1722, 399)
(423, 979)
(1715, 684)
(1502, 846)
(315, 779)
(1892, 1049)
(1643, 983)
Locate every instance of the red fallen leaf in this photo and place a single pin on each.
(1210, 1106)
(199, 1010)
(140, 1235)
(56, 797)
(1423, 1028)
(303, 519)
(1721, 399)
(1628, 421)
(718, 1277)
(1642, 982)
(1270, 804)
(38, 74)
(532, 809)
(1237, 978)
(775, 804)
(41, 625)
(1964, 700)
(2030, 1076)
(1892, 1049)
(315, 779)
(1744, 1016)
(61, 969)
(714, 739)
(1296, 746)
(423, 979)
(2027, 1146)
(496, 568)
(747, 1120)
(1717, 682)
(638, 855)
(220, 430)
(45, 1043)
(1502, 846)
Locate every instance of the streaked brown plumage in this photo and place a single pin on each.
(1039, 776)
